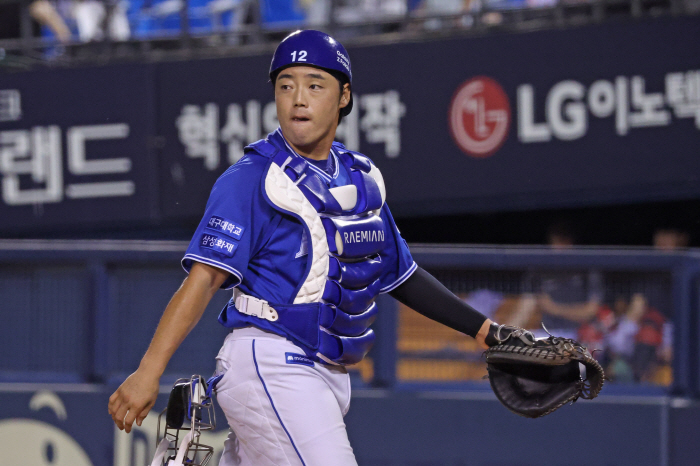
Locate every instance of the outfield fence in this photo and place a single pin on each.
(84, 311)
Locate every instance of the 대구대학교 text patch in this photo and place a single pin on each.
(226, 227)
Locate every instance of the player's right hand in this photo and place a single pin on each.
(133, 399)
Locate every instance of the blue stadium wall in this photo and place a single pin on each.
(605, 114)
(60, 425)
(78, 315)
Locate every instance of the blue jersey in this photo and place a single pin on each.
(264, 250)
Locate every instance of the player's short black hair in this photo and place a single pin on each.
(342, 81)
(340, 77)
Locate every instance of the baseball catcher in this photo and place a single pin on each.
(535, 376)
(300, 232)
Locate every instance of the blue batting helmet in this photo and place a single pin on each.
(312, 48)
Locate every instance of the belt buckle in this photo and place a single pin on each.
(253, 306)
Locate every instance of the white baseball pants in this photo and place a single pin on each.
(282, 410)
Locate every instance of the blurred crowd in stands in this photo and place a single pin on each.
(236, 22)
(119, 20)
(627, 322)
(625, 318)
(630, 334)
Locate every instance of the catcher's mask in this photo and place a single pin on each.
(190, 411)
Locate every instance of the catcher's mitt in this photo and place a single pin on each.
(533, 377)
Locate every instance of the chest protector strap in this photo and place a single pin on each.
(347, 338)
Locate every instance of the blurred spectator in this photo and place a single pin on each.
(648, 342)
(669, 239)
(317, 12)
(237, 11)
(160, 17)
(620, 339)
(593, 334)
(445, 8)
(560, 235)
(164, 8)
(565, 299)
(42, 12)
(45, 13)
(641, 344)
(97, 20)
(382, 9)
(492, 10)
(282, 13)
(486, 301)
(541, 3)
(163, 18)
(358, 12)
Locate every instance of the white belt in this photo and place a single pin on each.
(253, 306)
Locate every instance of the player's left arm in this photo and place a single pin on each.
(417, 289)
(426, 295)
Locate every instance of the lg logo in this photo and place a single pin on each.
(479, 117)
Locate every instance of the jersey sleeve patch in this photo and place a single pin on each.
(226, 227)
(222, 245)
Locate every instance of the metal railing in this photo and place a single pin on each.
(183, 39)
(84, 311)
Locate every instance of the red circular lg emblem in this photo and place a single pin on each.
(479, 116)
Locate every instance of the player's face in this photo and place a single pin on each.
(308, 104)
